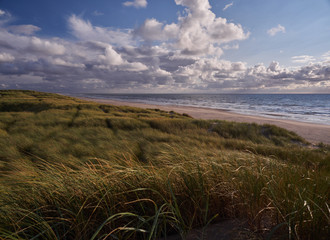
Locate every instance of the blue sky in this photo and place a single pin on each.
(259, 46)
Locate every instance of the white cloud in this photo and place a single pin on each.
(30, 44)
(136, 3)
(6, 57)
(152, 30)
(302, 59)
(24, 29)
(199, 32)
(326, 56)
(2, 12)
(228, 6)
(274, 67)
(111, 57)
(273, 31)
(84, 30)
(46, 46)
(209, 71)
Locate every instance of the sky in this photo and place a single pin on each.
(172, 46)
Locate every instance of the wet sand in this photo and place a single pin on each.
(313, 133)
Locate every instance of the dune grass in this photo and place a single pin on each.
(72, 169)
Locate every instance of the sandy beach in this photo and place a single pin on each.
(313, 133)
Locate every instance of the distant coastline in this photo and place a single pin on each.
(312, 132)
(309, 108)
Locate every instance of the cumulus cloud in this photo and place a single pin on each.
(231, 77)
(198, 32)
(302, 59)
(111, 57)
(201, 32)
(152, 30)
(228, 6)
(275, 30)
(2, 12)
(24, 29)
(136, 3)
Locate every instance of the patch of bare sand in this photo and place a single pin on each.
(313, 133)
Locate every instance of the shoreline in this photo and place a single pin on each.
(312, 132)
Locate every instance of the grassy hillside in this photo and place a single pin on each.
(71, 169)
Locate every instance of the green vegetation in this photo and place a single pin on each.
(72, 169)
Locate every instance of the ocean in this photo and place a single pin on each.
(313, 108)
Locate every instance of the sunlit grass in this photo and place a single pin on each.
(71, 169)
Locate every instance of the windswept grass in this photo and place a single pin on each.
(71, 169)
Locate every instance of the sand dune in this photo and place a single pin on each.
(313, 133)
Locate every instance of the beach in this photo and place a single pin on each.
(314, 133)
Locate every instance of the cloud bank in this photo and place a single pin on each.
(183, 56)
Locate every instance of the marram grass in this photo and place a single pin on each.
(71, 169)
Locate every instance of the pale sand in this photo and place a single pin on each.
(313, 133)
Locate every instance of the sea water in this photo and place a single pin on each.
(314, 108)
